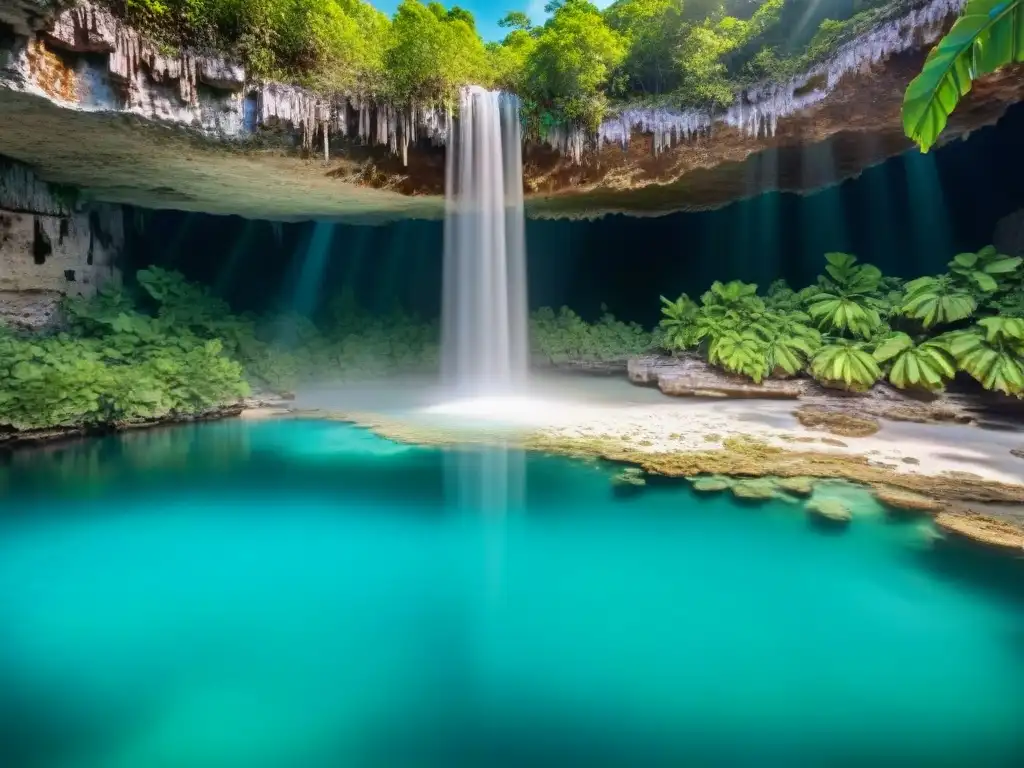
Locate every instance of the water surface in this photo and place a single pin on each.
(304, 594)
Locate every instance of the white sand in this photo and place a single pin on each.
(645, 420)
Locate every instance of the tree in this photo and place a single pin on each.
(516, 20)
(651, 30)
(432, 53)
(574, 56)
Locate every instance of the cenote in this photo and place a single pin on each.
(634, 386)
(306, 593)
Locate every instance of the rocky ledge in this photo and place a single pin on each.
(821, 408)
(90, 102)
(250, 407)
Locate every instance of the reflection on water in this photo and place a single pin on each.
(303, 594)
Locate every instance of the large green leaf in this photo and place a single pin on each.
(989, 35)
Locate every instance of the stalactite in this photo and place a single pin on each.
(22, 190)
(758, 110)
(569, 140)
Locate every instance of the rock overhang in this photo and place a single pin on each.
(88, 101)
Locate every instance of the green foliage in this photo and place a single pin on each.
(991, 352)
(985, 269)
(989, 35)
(651, 30)
(791, 342)
(136, 369)
(927, 365)
(565, 71)
(432, 53)
(780, 297)
(564, 337)
(677, 321)
(320, 42)
(846, 364)
(571, 62)
(741, 352)
(937, 301)
(847, 301)
(703, 49)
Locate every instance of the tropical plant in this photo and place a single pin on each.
(790, 344)
(676, 328)
(742, 352)
(987, 36)
(937, 301)
(927, 365)
(564, 337)
(846, 301)
(983, 270)
(991, 352)
(734, 296)
(846, 365)
(781, 298)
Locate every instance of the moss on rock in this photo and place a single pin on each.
(982, 529)
(754, 488)
(710, 484)
(798, 486)
(829, 509)
(836, 422)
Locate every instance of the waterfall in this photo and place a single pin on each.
(484, 339)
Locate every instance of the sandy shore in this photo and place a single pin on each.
(954, 463)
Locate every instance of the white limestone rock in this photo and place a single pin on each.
(22, 191)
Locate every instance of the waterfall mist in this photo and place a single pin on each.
(484, 338)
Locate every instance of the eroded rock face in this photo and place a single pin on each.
(689, 376)
(205, 138)
(49, 250)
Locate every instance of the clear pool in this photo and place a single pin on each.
(304, 594)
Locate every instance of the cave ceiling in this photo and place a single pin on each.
(156, 157)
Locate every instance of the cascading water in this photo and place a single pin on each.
(484, 341)
(483, 337)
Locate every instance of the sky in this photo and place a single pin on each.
(488, 12)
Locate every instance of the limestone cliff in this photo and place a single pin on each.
(50, 248)
(88, 101)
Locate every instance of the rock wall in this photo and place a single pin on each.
(86, 59)
(1009, 234)
(50, 248)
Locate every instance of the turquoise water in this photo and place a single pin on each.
(307, 595)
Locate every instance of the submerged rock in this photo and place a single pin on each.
(754, 489)
(798, 486)
(831, 510)
(630, 476)
(709, 484)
